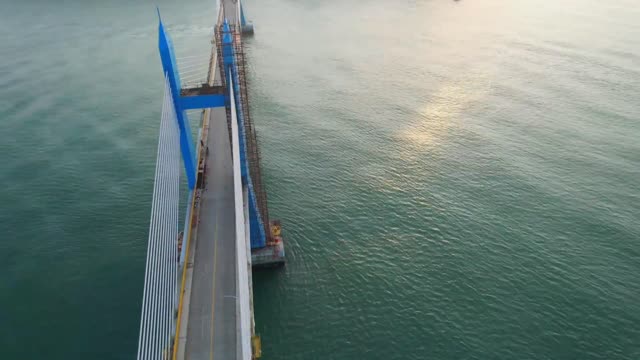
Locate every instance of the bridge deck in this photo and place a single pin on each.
(230, 8)
(211, 330)
(212, 325)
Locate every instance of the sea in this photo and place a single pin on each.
(455, 179)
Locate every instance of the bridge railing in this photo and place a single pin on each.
(242, 243)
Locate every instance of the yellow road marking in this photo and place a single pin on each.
(184, 277)
(186, 257)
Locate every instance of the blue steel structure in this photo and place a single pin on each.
(243, 21)
(182, 103)
(257, 232)
(202, 101)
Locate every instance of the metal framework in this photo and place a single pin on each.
(253, 156)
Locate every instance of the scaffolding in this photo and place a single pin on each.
(253, 149)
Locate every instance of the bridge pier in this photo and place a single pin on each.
(247, 29)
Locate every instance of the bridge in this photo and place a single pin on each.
(197, 299)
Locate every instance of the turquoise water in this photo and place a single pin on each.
(457, 180)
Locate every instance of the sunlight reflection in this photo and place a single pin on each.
(434, 120)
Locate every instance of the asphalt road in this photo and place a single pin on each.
(211, 331)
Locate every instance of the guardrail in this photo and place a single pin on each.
(243, 261)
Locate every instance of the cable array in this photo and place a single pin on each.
(157, 322)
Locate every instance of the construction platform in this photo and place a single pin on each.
(271, 255)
